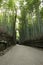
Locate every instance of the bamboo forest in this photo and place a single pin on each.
(21, 21)
(21, 32)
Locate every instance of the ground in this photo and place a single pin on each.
(22, 55)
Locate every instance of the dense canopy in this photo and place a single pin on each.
(22, 18)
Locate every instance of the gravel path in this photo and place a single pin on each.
(22, 55)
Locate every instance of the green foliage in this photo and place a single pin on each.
(0, 2)
(11, 4)
(41, 12)
(30, 19)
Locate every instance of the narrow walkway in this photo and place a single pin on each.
(22, 55)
